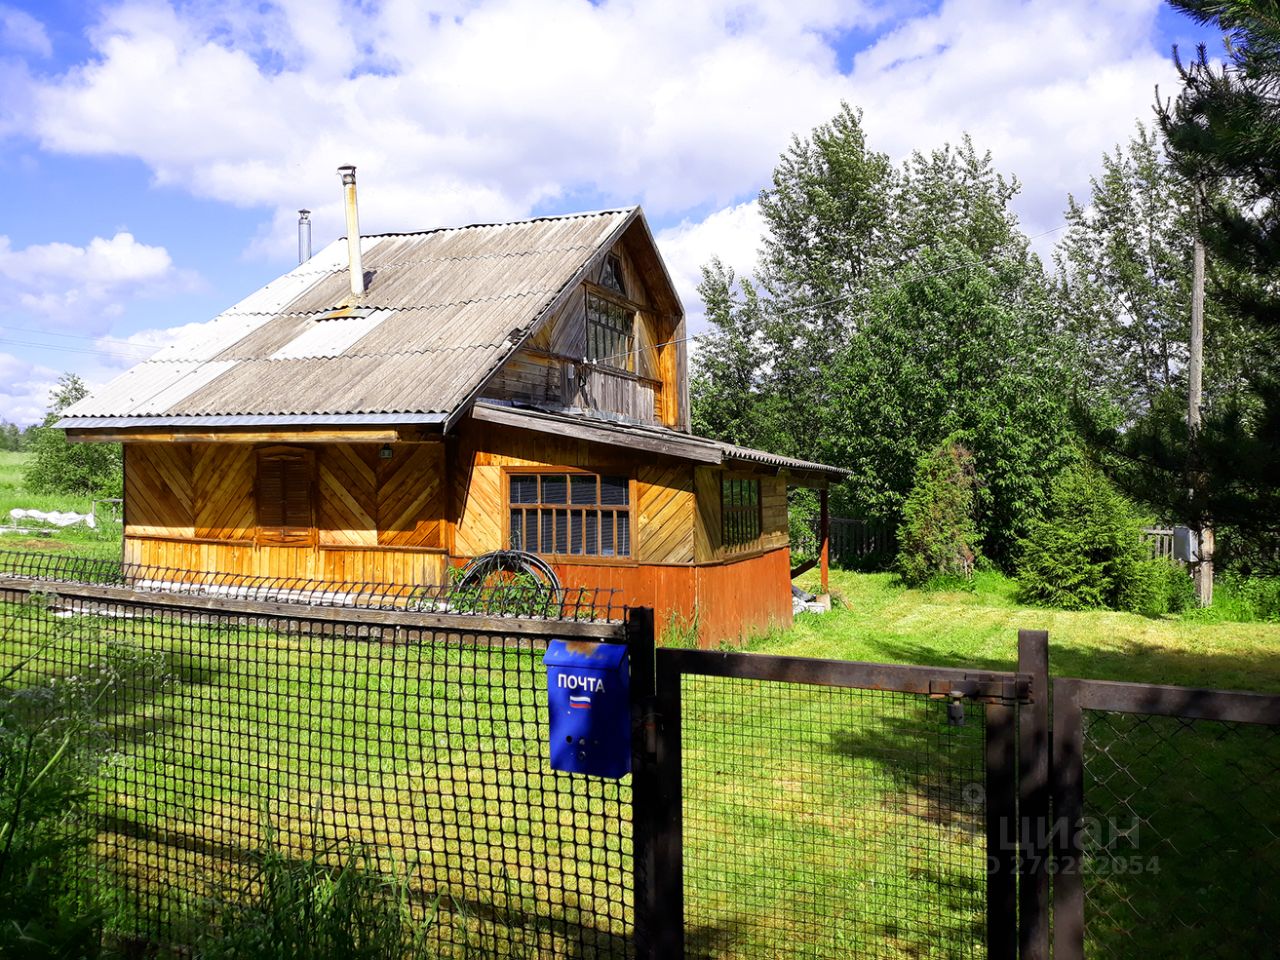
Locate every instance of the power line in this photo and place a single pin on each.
(69, 349)
(842, 297)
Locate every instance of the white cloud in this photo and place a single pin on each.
(491, 109)
(24, 33)
(69, 286)
(24, 389)
(1047, 87)
(481, 113)
(732, 234)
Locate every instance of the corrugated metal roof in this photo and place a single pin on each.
(294, 420)
(448, 307)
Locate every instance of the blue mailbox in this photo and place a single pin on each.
(588, 692)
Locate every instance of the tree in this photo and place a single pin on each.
(892, 309)
(762, 372)
(1125, 289)
(957, 340)
(937, 537)
(1223, 136)
(79, 469)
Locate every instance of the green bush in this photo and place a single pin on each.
(78, 469)
(1086, 552)
(1156, 587)
(1243, 599)
(937, 539)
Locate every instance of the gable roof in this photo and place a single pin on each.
(441, 312)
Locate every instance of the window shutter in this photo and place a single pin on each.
(284, 497)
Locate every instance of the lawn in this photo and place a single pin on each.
(1183, 856)
(876, 619)
(818, 821)
(102, 542)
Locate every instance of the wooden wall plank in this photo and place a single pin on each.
(158, 490)
(223, 477)
(347, 484)
(665, 513)
(411, 497)
(408, 567)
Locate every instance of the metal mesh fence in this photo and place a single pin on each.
(830, 822)
(422, 754)
(512, 598)
(1181, 838)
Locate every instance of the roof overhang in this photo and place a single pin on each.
(658, 440)
(253, 428)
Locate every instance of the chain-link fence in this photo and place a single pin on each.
(417, 751)
(1167, 834)
(1181, 837)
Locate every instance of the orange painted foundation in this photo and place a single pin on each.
(730, 601)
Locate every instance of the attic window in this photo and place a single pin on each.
(611, 276)
(611, 335)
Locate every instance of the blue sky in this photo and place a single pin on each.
(155, 152)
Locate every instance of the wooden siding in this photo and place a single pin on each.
(730, 602)
(158, 495)
(664, 525)
(411, 497)
(745, 598)
(339, 566)
(774, 530)
(347, 476)
(222, 477)
(193, 506)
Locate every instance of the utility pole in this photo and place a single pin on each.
(1202, 570)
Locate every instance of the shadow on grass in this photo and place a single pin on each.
(931, 769)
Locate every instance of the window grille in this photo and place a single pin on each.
(610, 333)
(571, 514)
(739, 510)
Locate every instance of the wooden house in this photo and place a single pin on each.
(459, 391)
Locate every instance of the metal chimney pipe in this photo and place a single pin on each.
(348, 174)
(304, 236)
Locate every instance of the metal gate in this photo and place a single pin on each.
(1167, 831)
(792, 807)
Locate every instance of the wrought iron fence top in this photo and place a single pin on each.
(574, 603)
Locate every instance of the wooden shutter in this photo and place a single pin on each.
(285, 478)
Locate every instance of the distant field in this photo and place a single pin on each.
(103, 542)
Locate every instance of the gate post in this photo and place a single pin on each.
(1068, 813)
(1002, 833)
(656, 801)
(1033, 796)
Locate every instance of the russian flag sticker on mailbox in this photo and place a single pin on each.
(588, 694)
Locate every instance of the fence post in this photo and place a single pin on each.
(1033, 798)
(824, 539)
(1002, 831)
(1068, 814)
(656, 802)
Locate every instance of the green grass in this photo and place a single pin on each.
(1199, 868)
(877, 619)
(103, 542)
(818, 821)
